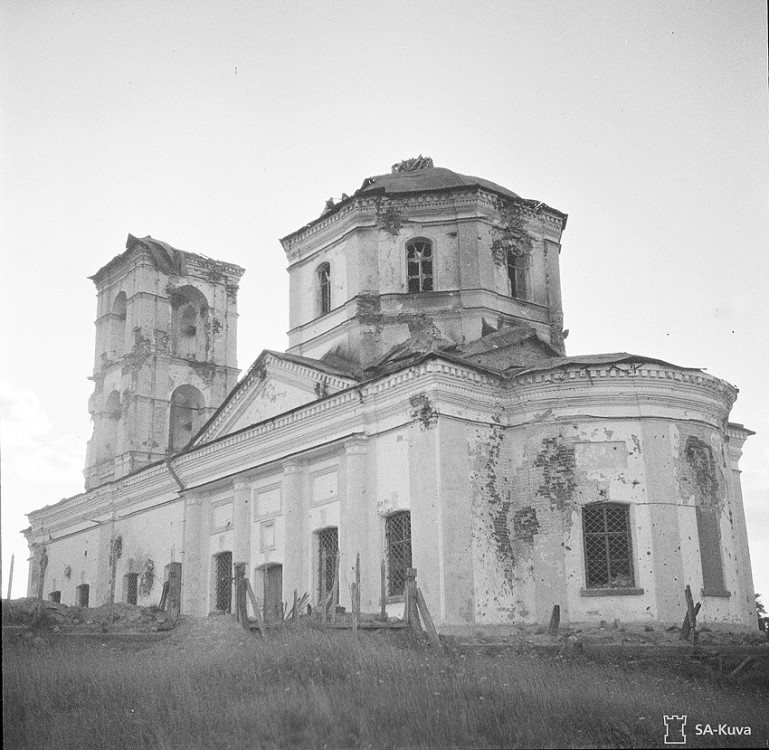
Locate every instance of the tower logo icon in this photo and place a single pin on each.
(675, 730)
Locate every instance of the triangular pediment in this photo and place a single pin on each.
(274, 384)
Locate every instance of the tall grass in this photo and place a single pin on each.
(316, 689)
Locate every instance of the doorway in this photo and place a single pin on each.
(273, 593)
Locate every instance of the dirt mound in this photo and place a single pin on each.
(33, 613)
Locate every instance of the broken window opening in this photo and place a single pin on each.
(398, 545)
(328, 542)
(131, 587)
(117, 325)
(82, 595)
(419, 262)
(55, 596)
(515, 264)
(186, 417)
(608, 546)
(189, 309)
(324, 288)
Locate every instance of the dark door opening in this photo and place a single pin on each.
(273, 593)
(224, 581)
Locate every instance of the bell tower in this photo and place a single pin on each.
(166, 357)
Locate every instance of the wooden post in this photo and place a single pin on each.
(294, 612)
(356, 595)
(174, 578)
(164, 595)
(240, 594)
(691, 614)
(411, 614)
(383, 591)
(686, 627)
(323, 563)
(255, 605)
(432, 633)
(335, 588)
(10, 577)
(555, 620)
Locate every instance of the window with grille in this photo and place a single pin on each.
(608, 548)
(131, 584)
(516, 273)
(398, 541)
(419, 262)
(328, 542)
(82, 594)
(324, 288)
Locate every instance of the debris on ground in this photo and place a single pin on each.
(117, 618)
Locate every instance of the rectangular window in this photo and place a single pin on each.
(82, 594)
(398, 543)
(516, 273)
(608, 548)
(328, 542)
(419, 263)
(131, 587)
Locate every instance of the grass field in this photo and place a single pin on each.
(313, 689)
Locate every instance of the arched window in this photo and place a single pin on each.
(515, 263)
(398, 546)
(117, 325)
(189, 322)
(110, 423)
(419, 265)
(186, 418)
(608, 546)
(324, 288)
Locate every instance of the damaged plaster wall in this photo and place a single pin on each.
(528, 485)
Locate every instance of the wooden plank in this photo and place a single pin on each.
(742, 666)
(555, 620)
(432, 633)
(686, 625)
(335, 588)
(255, 605)
(295, 608)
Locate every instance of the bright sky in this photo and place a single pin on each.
(220, 126)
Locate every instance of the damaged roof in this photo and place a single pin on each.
(421, 177)
(170, 260)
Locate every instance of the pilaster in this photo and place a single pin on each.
(293, 514)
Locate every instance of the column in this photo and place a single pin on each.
(294, 532)
(352, 513)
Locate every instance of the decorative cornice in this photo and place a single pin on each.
(446, 197)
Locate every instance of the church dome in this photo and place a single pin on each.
(419, 175)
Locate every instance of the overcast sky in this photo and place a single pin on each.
(221, 126)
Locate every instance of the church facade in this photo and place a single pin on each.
(425, 414)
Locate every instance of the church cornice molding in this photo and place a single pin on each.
(363, 209)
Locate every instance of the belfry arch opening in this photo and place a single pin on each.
(187, 416)
(189, 319)
(118, 325)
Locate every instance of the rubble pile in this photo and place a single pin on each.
(118, 617)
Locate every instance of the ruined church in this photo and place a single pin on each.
(424, 414)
